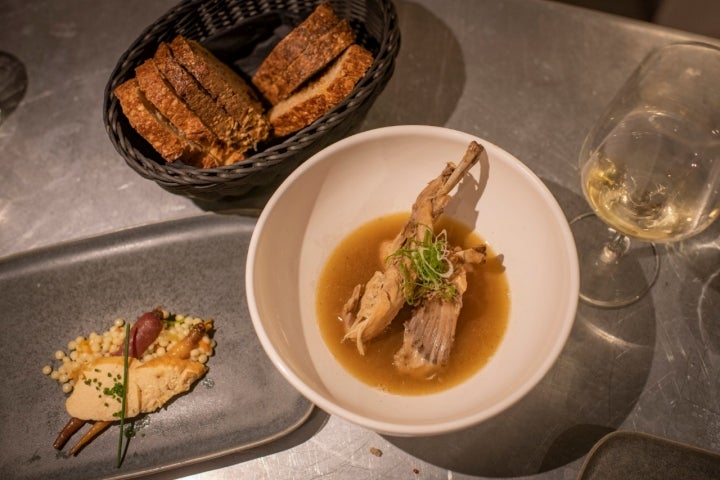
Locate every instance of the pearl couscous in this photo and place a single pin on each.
(83, 350)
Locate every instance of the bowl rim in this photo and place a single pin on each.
(400, 429)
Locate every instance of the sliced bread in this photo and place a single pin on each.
(197, 99)
(170, 143)
(322, 94)
(172, 107)
(161, 94)
(306, 50)
(225, 87)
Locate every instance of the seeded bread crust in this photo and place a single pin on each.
(153, 127)
(322, 94)
(225, 86)
(309, 47)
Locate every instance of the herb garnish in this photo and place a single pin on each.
(428, 268)
(169, 320)
(123, 394)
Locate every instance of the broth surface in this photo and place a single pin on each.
(480, 326)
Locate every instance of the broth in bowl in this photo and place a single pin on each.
(480, 325)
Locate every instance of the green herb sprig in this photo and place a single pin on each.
(428, 269)
(126, 355)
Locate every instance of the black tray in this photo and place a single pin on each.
(194, 266)
(639, 456)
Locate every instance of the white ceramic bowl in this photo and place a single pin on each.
(378, 172)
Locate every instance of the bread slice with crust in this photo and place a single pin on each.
(170, 143)
(161, 94)
(322, 94)
(225, 87)
(306, 50)
(197, 99)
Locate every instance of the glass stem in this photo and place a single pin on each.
(615, 248)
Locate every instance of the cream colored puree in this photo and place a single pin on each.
(480, 328)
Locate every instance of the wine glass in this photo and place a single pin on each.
(650, 170)
(13, 83)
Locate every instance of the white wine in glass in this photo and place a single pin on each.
(650, 170)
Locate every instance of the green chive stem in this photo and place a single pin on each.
(124, 394)
(428, 268)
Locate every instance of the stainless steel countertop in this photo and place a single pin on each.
(528, 75)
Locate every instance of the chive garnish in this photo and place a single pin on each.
(428, 267)
(124, 394)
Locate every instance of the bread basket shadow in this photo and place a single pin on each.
(241, 33)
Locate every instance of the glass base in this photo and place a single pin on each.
(608, 279)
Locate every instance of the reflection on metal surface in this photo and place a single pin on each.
(4, 204)
(708, 311)
(701, 257)
(610, 338)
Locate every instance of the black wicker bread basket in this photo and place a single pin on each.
(241, 32)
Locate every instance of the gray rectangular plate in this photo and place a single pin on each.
(638, 456)
(194, 266)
